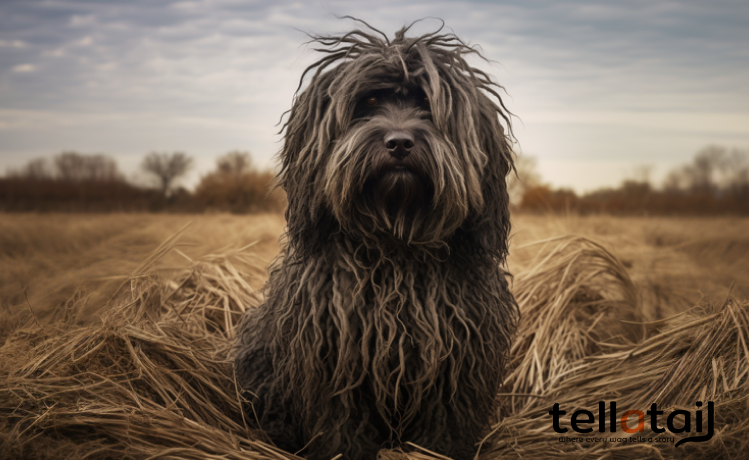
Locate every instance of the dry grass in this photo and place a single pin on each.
(148, 376)
(674, 263)
(46, 258)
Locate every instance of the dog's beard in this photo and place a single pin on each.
(399, 197)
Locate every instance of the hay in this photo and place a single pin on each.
(152, 378)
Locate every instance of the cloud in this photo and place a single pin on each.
(82, 20)
(220, 73)
(24, 68)
(11, 44)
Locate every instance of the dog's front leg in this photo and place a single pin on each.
(451, 425)
(355, 431)
(265, 406)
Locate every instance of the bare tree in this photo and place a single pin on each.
(708, 163)
(76, 167)
(36, 169)
(166, 168)
(70, 166)
(736, 174)
(101, 168)
(235, 162)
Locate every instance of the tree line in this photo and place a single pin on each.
(715, 182)
(73, 181)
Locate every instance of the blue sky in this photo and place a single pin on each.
(599, 88)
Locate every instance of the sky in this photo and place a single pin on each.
(599, 89)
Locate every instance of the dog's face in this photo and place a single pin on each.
(398, 143)
(384, 171)
(395, 175)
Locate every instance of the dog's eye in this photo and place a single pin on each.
(371, 101)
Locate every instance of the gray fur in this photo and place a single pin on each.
(387, 316)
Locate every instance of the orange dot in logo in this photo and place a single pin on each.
(640, 424)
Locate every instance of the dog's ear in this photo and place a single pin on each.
(491, 227)
(467, 106)
(307, 133)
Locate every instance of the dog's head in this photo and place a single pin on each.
(397, 141)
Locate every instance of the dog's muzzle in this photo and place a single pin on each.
(399, 144)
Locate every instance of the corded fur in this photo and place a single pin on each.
(387, 316)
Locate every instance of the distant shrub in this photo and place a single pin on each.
(74, 182)
(716, 182)
(542, 198)
(22, 194)
(236, 186)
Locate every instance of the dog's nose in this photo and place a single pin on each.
(399, 144)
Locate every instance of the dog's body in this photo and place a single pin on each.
(387, 316)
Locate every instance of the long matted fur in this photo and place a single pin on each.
(387, 316)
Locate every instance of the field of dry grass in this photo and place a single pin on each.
(131, 360)
(673, 261)
(45, 258)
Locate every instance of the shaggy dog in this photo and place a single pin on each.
(387, 317)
